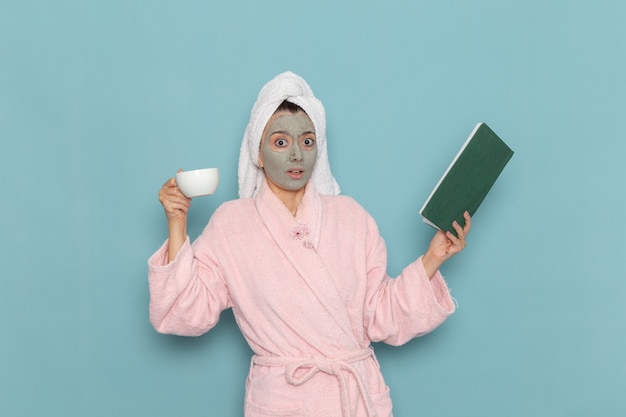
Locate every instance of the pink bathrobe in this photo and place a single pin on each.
(309, 294)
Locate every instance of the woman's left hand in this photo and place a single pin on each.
(445, 245)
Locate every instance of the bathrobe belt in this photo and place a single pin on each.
(337, 367)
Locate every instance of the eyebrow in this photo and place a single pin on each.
(283, 132)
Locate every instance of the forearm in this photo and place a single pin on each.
(177, 236)
(431, 265)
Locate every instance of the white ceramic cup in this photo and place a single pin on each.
(198, 182)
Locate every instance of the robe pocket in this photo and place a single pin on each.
(253, 410)
(382, 403)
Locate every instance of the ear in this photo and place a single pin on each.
(260, 160)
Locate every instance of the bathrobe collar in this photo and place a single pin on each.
(298, 239)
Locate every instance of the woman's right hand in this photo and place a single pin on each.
(176, 206)
(174, 202)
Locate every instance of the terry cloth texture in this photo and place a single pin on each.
(292, 88)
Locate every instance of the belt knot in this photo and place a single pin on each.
(300, 370)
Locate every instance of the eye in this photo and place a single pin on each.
(308, 142)
(280, 142)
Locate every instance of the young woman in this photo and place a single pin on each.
(303, 268)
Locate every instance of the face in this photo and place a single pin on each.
(288, 150)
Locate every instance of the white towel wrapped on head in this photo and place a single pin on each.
(294, 89)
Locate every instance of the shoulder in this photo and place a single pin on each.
(347, 207)
(342, 202)
(232, 214)
(337, 201)
(228, 208)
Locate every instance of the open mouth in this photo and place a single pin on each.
(295, 173)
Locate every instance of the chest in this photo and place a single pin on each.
(307, 264)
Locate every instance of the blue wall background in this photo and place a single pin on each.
(101, 102)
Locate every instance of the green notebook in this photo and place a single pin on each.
(467, 180)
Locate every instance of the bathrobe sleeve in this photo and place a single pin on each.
(408, 306)
(188, 294)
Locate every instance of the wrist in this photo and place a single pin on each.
(431, 264)
(177, 227)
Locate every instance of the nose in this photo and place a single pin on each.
(296, 153)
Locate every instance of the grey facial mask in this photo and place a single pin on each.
(289, 151)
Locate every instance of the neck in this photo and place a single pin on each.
(291, 199)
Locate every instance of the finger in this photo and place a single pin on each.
(176, 207)
(173, 191)
(460, 233)
(459, 241)
(170, 183)
(454, 240)
(468, 222)
(170, 198)
(176, 203)
(171, 188)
